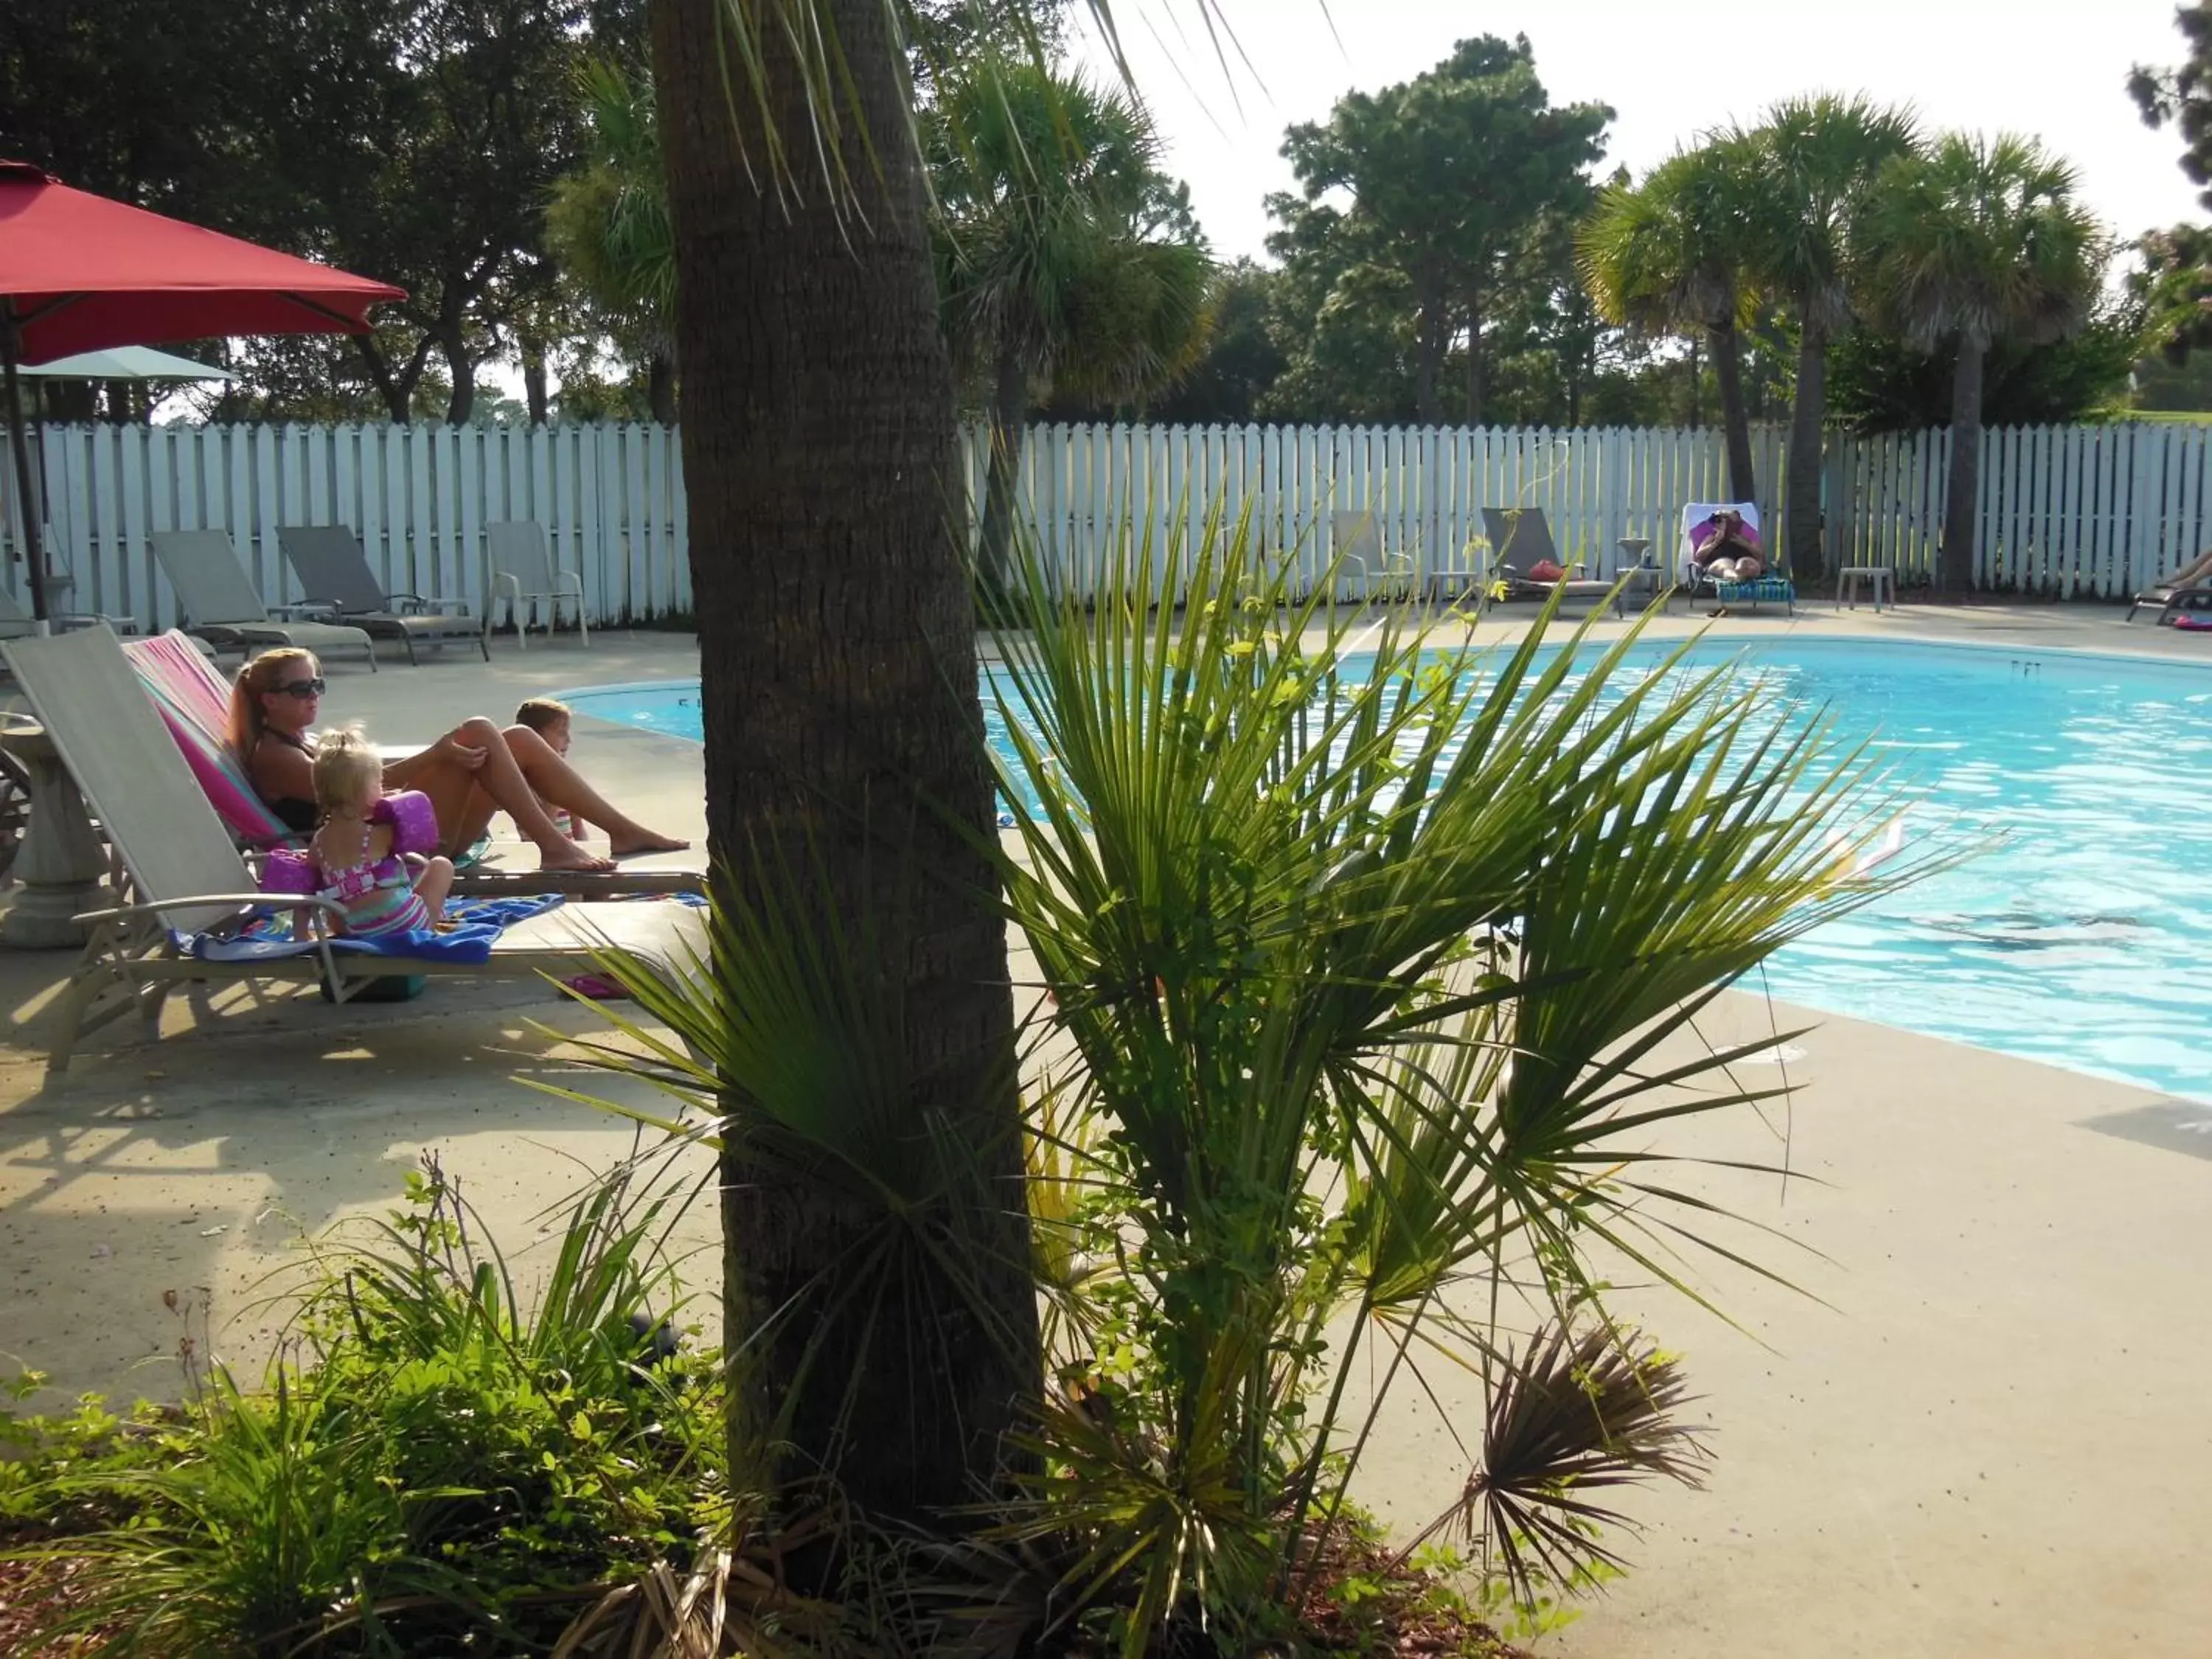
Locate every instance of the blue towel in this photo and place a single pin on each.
(268, 937)
(1758, 587)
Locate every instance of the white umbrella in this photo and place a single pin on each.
(127, 363)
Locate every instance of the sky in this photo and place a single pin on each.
(1670, 69)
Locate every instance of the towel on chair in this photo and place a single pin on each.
(268, 935)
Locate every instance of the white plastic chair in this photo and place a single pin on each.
(522, 569)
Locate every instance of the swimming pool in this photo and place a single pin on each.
(2083, 937)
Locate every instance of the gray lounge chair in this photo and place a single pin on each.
(1520, 540)
(188, 886)
(2171, 598)
(522, 568)
(221, 606)
(328, 561)
(14, 620)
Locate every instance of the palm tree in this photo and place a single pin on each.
(609, 224)
(1676, 255)
(1975, 242)
(1058, 268)
(844, 739)
(1816, 159)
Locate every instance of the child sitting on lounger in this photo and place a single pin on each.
(352, 851)
(550, 718)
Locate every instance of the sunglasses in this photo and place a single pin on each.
(303, 690)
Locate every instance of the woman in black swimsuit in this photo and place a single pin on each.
(474, 770)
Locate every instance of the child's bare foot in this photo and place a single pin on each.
(568, 855)
(644, 841)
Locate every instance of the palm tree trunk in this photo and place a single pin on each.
(1955, 565)
(660, 388)
(1807, 411)
(1474, 381)
(838, 686)
(1696, 389)
(1009, 401)
(1728, 370)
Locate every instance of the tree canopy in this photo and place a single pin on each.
(1412, 203)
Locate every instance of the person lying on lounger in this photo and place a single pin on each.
(1726, 550)
(473, 771)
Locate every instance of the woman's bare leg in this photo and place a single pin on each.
(467, 797)
(545, 771)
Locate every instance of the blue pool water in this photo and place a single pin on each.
(2082, 936)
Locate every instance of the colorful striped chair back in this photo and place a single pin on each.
(194, 702)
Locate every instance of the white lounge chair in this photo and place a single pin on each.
(221, 605)
(522, 569)
(189, 892)
(331, 566)
(1520, 540)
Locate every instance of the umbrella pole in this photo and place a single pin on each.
(27, 503)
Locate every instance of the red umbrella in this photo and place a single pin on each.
(79, 271)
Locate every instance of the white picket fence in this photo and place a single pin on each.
(611, 496)
(2071, 511)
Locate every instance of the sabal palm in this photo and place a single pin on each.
(1049, 276)
(1369, 987)
(1974, 242)
(1678, 254)
(1817, 158)
(608, 222)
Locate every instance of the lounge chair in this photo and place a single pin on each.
(331, 567)
(1773, 584)
(14, 620)
(2190, 589)
(1520, 540)
(220, 602)
(192, 900)
(193, 702)
(522, 569)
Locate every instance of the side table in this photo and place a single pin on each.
(1878, 579)
(1647, 580)
(62, 865)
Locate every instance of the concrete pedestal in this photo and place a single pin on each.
(61, 870)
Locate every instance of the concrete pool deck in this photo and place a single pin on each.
(1984, 1438)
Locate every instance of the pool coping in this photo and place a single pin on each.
(1855, 641)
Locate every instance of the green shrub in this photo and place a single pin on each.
(427, 1466)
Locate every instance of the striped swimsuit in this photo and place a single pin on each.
(377, 898)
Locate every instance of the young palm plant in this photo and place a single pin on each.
(1366, 982)
(1379, 974)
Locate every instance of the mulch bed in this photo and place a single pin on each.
(31, 1594)
(1410, 1615)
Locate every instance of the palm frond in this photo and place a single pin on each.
(1570, 1415)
